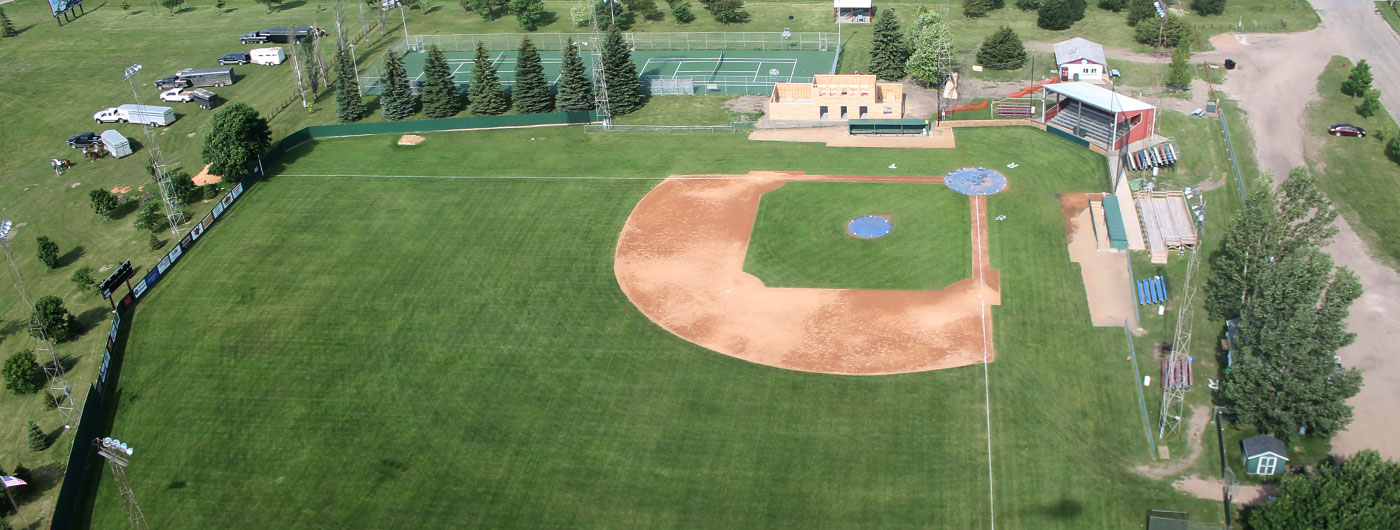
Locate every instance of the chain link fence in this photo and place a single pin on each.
(667, 41)
(732, 128)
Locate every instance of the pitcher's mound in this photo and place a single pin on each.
(411, 139)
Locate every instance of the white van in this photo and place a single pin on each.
(268, 56)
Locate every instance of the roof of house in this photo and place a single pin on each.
(1078, 48)
(1097, 96)
(1263, 443)
(851, 3)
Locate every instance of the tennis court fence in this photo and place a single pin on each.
(662, 41)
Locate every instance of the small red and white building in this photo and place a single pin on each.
(1080, 60)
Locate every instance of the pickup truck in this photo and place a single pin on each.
(173, 82)
(84, 140)
(175, 95)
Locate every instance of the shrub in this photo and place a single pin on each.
(1002, 50)
(1370, 104)
(1028, 5)
(1113, 5)
(1392, 148)
(682, 13)
(1208, 7)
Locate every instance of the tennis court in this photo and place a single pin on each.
(705, 71)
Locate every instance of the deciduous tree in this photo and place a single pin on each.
(1002, 50)
(1113, 5)
(1028, 5)
(682, 13)
(575, 91)
(103, 202)
(529, 13)
(1059, 14)
(976, 8)
(1292, 304)
(1208, 7)
(1358, 81)
(83, 278)
(1360, 493)
(150, 218)
(531, 91)
(727, 12)
(236, 138)
(624, 89)
(22, 373)
(486, 95)
(888, 51)
(48, 252)
(395, 96)
(54, 318)
(1370, 104)
(440, 96)
(931, 61)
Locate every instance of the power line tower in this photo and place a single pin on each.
(600, 79)
(1174, 386)
(167, 193)
(58, 381)
(118, 456)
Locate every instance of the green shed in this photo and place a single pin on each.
(908, 126)
(1264, 455)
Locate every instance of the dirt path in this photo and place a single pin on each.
(1214, 489)
(939, 137)
(1105, 274)
(680, 260)
(1195, 428)
(1277, 79)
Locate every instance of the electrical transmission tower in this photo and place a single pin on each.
(167, 193)
(600, 79)
(58, 381)
(118, 456)
(1174, 389)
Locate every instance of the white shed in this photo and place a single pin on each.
(1080, 59)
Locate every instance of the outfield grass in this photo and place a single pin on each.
(799, 238)
(455, 352)
(1355, 172)
(1390, 15)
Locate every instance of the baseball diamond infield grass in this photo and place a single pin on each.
(441, 350)
(799, 238)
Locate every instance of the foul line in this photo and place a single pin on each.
(986, 374)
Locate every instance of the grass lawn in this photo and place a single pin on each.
(1390, 15)
(683, 110)
(799, 238)
(455, 352)
(1355, 172)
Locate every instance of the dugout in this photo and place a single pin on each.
(888, 127)
(852, 11)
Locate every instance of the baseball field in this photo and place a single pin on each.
(383, 336)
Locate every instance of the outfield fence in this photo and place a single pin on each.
(661, 41)
(732, 128)
(84, 467)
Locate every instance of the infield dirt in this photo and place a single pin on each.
(680, 260)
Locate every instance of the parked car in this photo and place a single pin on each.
(175, 95)
(84, 140)
(173, 82)
(235, 58)
(1346, 129)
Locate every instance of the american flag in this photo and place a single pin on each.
(12, 482)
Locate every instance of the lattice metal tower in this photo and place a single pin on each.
(1174, 396)
(58, 381)
(167, 194)
(118, 456)
(600, 79)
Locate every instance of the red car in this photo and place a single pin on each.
(1346, 129)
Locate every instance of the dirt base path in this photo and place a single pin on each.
(1195, 429)
(1105, 274)
(837, 137)
(680, 260)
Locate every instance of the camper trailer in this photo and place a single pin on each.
(268, 56)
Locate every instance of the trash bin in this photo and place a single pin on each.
(1229, 64)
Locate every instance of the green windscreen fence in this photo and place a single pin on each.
(1067, 135)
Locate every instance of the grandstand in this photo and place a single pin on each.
(1096, 114)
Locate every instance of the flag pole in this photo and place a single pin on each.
(11, 496)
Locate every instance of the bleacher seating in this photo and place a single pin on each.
(1087, 121)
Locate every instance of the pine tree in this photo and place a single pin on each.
(1208, 7)
(624, 89)
(888, 52)
(976, 8)
(7, 28)
(1359, 81)
(37, 439)
(1059, 14)
(1179, 73)
(487, 96)
(575, 92)
(440, 96)
(348, 105)
(682, 13)
(1140, 10)
(1172, 30)
(1002, 50)
(531, 93)
(395, 97)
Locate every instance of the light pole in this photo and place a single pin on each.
(405, 23)
(356, 64)
(173, 215)
(118, 456)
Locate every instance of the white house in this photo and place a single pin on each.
(1080, 60)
